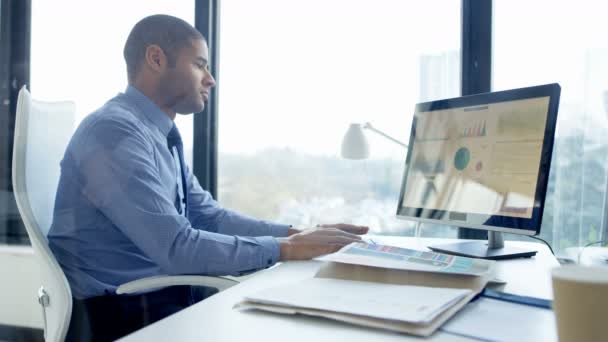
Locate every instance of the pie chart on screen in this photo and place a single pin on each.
(462, 158)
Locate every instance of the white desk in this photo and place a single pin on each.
(214, 319)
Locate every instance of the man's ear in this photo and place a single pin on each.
(155, 58)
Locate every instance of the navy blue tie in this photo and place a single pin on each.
(174, 139)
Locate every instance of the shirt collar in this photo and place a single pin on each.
(150, 109)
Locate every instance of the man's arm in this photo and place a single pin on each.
(120, 177)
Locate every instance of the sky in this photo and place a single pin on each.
(302, 71)
(294, 74)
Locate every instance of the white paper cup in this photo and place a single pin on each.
(580, 302)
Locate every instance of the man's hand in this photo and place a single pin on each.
(349, 228)
(314, 242)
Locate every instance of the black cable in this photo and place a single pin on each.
(594, 243)
(578, 257)
(546, 243)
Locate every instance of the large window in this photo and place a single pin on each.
(295, 74)
(546, 41)
(76, 51)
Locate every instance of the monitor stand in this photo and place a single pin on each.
(493, 249)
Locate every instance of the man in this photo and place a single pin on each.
(127, 206)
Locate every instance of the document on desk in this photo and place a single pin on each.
(383, 287)
(403, 303)
(495, 320)
(360, 253)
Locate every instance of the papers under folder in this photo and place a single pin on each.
(413, 304)
(369, 291)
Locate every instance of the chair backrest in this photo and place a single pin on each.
(42, 132)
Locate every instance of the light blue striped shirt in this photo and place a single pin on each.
(115, 220)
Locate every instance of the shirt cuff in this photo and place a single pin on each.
(271, 251)
(279, 230)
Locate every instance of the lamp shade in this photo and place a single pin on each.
(354, 144)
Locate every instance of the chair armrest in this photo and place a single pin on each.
(221, 283)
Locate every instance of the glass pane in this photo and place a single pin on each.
(295, 74)
(568, 47)
(80, 57)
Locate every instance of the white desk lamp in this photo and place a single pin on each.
(354, 144)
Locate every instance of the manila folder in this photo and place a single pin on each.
(333, 270)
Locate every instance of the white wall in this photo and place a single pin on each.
(19, 283)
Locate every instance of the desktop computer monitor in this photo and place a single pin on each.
(482, 162)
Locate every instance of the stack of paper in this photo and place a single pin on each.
(413, 304)
(381, 286)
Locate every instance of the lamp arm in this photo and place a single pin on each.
(372, 128)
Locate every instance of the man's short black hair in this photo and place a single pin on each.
(170, 33)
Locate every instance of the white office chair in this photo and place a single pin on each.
(42, 132)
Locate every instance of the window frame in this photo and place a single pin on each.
(476, 74)
(205, 149)
(15, 33)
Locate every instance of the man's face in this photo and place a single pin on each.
(187, 86)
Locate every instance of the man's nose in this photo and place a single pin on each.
(209, 81)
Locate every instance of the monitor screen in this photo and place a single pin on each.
(481, 161)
